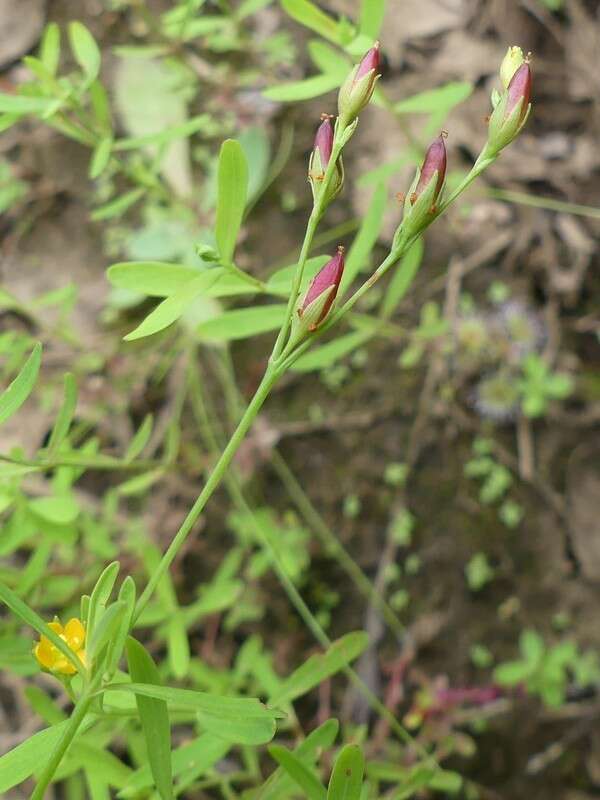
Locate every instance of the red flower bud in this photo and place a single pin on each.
(330, 275)
(358, 87)
(435, 161)
(324, 141)
(370, 61)
(519, 88)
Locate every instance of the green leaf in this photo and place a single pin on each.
(140, 440)
(19, 390)
(100, 157)
(190, 761)
(58, 510)
(100, 595)
(232, 194)
(347, 776)
(329, 60)
(153, 278)
(320, 739)
(23, 104)
(65, 415)
(431, 101)
(50, 48)
(241, 720)
(85, 50)
(154, 717)
(173, 307)
(321, 666)
(29, 617)
(299, 772)
(512, 672)
(241, 323)
(22, 761)
(182, 131)
(328, 354)
(105, 629)
(127, 594)
(309, 15)
(372, 13)
(402, 278)
(118, 206)
(366, 238)
(302, 90)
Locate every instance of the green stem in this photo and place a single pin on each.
(77, 716)
(292, 592)
(269, 379)
(311, 228)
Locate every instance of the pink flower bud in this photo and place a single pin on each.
(329, 276)
(435, 161)
(519, 88)
(369, 62)
(358, 87)
(324, 141)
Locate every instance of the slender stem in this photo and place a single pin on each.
(313, 221)
(79, 712)
(269, 379)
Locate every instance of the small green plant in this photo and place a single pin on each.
(539, 385)
(547, 670)
(479, 572)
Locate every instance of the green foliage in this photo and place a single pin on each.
(546, 670)
(539, 386)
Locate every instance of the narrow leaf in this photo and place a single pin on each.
(322, 666)
(140, 440)
(100, 594)
(154, 717)
(232, 193)
(302, 90)
(328, 354)
(20, 389)
(311, 16)
(173, 307)
(100, 157)
(347, 775)
(22, 761)
(404, 274)
(372, 13)
(50, 48)
(85, 50)
(241, 323)
(65, 415)
(299, 772)
(240, 720)
(366, 238)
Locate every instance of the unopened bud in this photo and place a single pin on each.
(420, 203)
(319, 297)
(319, 160)
(434, 168)
(512, 110)
(359, 86)
(512, 61)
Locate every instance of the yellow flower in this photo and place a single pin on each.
(49, 657)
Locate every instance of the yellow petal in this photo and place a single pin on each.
(74, 634)
(56, 627)
(63, 666)
(45, 653)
